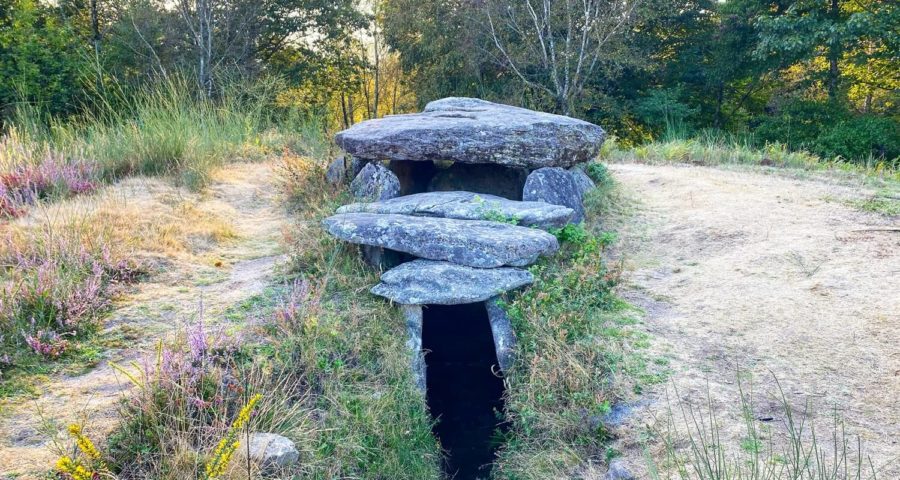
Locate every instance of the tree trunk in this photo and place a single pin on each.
(95, 41)
(834, 54)
(204, 40)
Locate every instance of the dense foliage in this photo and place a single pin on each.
(815, 75)
(819, 75)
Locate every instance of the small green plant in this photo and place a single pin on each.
(793, 451)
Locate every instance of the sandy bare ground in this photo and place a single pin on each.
(220, 273)
(769, 275)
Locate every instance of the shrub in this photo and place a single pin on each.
(832, 132)
(54, 288)
(29, 173)
(573, 340)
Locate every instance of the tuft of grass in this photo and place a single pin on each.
(578, 353)
(712, 150)
(165, 128)
(329, 359)
(54, 288)
(883, 203)
(795, 449)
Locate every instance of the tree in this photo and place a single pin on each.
(554, 46)
(40, 58)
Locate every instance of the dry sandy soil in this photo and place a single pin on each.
(753, 271)
(220, 247)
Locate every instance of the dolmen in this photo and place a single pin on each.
(454, 202)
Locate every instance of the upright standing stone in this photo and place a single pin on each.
(413, 316)
(337, 171)
(504, 336)
(374, 183)
(582, 181)
(554, 185)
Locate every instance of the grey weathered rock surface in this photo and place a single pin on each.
(506, 182)
(422, 282)
(475, 243)
(618, 471)
(468, 206)
(582, 181)
(375, 182)
(504, 336)
(475, 131)
(413, 316)
(271, 451)
(554, 185)
(337, 171)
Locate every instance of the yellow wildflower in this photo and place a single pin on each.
(85, 444)
(244, 415)
(73, 469)
(229, 443)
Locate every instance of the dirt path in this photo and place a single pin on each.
(769, 275)
(220, 273)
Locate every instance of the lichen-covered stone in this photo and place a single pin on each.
(475, 243)
(271, 452)
(469, 206)
(556, 186)
(375, 182)
(475, 131)
(442, 283)
(582, 181)
(336, 173)
(413, 316)
(504, 336)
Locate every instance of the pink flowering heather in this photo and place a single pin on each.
(56, 284)
(53, 176)
(46, 343)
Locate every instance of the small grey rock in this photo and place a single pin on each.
(618, 471)
(375, 182)
(475, 243)
(582, 181)
(271, 451)
(430, 282)
(554, 185)
(470, 130)
(468, 206)
(337, 171)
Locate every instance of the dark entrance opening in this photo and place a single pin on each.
(418, 177)
(464, 394)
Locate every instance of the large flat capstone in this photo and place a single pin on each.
(469, 206)
(422, 282)
(475, 243)
(470, 130)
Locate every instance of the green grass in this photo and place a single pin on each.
(329, 358)
(166, 128)
(711, 150)
(797, 447)
(580, 350)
